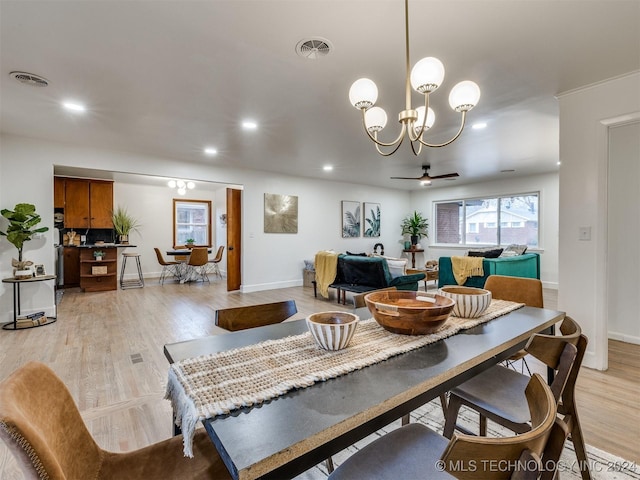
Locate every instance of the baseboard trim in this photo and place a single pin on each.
(623, 337)
(259, 287)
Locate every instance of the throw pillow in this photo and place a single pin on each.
(397, 267)
(516, 249)
(357, 254)
(494, 253)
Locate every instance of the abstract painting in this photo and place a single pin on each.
(350, 219)
(280, 213)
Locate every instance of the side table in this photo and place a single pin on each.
(430, 275)
(16, 302)
(413, 252)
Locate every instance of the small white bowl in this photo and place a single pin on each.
(332, 330)
(470, 302)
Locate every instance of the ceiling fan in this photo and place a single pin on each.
(426, 178)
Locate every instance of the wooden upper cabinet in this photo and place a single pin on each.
(58, 192)
(88, 203)
(100, 204)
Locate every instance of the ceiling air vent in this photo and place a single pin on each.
(30, 79)
(313, 48)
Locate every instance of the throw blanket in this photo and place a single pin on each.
(326, 264)
(215, 384)
(465, 267)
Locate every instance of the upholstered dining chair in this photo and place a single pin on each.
(42, 426)
(216, 260)
(197, 264)
(521, 290)
(498, 393)
(168, 268)
(415, 451)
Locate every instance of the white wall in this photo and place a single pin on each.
(584, 119)
(269, 260)
(546, 184)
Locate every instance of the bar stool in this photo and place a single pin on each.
(134, 283)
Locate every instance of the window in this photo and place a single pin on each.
(489, 221)
(192, 220)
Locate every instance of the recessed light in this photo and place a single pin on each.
(210, 151)
(327, 168)
(559, 163)
(74, 107)
(479, 126)
(249, 125)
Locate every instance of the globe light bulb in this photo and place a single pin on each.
(427, 75)
(363, 93)
(375, 119)
(171, 183)
(431, 118)
(191, 185)
(464, 96)
(181, 191)
(180, 184)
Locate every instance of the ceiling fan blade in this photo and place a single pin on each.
(407, 178)
(447, 175)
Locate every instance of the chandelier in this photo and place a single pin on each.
(181, 185)
(425, 77)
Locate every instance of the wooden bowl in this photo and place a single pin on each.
(470, 302)
(409, 313)
(332, 330)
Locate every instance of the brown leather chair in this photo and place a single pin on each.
(167, 267)
(42, 426)
(250, 316)
(197, 264)
(216, 260)
(415, 451)
(498, 393)
(516, 289)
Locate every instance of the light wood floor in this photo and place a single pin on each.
(99, 339)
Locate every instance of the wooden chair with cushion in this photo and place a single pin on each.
(42, 426)
(497, 394)
(197, 264)
(516, 289)
(415, 451)
(241, 318)
(167, 267)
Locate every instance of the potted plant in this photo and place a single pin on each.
(22, 220)
(190, 242)
(124, 223)
(415, 225)
(98, 255)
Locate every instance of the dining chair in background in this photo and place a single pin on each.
(497, 394)
(520, 290)
(415, 451)
(197, 264)
(181, 258)
(42, 427)
(251, 316)
(168, 268)
(216, 260)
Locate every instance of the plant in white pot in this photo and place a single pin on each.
(416, 226)
(22, 220)
(124, 223)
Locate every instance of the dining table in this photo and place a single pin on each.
(181, 255)
(287, 435)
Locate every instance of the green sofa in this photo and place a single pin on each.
(527, 265)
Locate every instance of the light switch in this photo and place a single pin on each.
(584, 233)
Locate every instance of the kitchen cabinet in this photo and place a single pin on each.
(98, 275)
(58, 192)
(71, 267)
(88, 203)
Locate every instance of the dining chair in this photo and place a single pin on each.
(42, 427)
(170, 268)
(497, 394)
(216, 260)
(250, 316)
(197, 264)
(521, 290)
(415, 451)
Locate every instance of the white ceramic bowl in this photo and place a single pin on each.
(332, 330)
(470, 302)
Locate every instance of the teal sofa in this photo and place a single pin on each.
(527, 265)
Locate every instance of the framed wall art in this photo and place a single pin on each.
(350, 219)
(280, 213)
(371, 219)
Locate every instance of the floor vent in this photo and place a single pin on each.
(136, 358)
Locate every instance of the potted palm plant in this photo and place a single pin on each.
(124, 223)
(416, 226)
(22, 220)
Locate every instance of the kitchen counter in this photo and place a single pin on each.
(103, 245)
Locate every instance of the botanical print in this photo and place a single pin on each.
(371, 219)
(350, 219)
(280, 213)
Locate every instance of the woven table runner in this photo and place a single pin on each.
(215, 384)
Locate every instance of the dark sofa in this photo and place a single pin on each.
(527, 265)
(361, 274)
